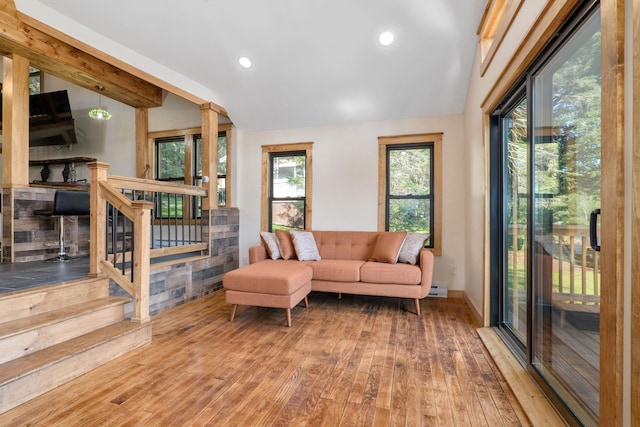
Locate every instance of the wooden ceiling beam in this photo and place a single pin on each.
(55, 56)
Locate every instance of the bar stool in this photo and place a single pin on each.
(66, 202)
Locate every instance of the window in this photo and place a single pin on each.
(35, 80)
(410, 185)
(170, 153)
(178, 157)
(224, 134)
(497, 18)
(286, 191)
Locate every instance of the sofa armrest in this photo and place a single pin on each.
(426, 265)
(257, 253)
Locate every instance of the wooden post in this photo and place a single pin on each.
(143, 151)
(15, 122)
(141, 256)
(210, 155)
(98, 217)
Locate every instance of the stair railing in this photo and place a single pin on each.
(121, 240)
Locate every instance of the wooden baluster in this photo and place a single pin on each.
(583, 260)
(572, 264)
(560, 269)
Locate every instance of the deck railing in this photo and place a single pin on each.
(574, 276)
(135, 220)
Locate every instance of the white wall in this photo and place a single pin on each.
(345, 181)
(111, 141)
(475, 152)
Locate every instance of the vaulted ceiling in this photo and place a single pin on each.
(313, 62)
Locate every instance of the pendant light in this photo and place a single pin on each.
(99, 113)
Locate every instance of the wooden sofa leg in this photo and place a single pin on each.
(417, 303)
(306, 302)
(233, 312)
(339, 295)
(288, 317)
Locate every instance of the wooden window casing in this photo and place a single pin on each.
(267, 150)
(434, 139)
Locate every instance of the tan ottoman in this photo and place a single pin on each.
(269, 283)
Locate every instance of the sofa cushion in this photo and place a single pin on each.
(380, 272)
(388, 246)
(269, 277)
(411, 247)
(285, 241)
(271, 244)
(305, 245)
(336, 270)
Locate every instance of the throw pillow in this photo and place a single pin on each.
(305, 244)
(271, 243)
(286, 244)
(411, 247)
(388, 246)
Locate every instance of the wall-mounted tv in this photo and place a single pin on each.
(50, 119)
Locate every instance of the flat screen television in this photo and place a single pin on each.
(50, 119)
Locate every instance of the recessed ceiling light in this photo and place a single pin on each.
(386, 38)
(244, 62)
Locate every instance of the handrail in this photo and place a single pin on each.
(150, 185)
(129, 263)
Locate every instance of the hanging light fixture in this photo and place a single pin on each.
(99, 113)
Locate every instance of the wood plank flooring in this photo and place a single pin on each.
(366, 361)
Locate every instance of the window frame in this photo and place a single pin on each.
(283, 149)
(435, 139)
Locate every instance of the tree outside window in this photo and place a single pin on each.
(410, 193)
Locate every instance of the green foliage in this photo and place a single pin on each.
(567, 141)
(222, 155)
(409, 175)
(170, 206)
(171, 158)
(409, 171)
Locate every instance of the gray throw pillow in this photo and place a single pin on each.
(411, 247)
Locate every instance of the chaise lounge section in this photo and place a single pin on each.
(269, 284)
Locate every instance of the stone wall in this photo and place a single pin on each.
(35, 238)
(174, 284)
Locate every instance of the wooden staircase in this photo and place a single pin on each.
(53, 334)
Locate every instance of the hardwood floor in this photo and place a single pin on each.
(356, 361)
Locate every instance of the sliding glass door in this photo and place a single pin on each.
(549, 186)
(514, 232)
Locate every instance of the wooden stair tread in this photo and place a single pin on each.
(29, 363)
(47, 288)
(25, 303)
(18, 326)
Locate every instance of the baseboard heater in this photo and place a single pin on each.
(438, 291)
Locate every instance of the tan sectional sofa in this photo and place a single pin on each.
(355, 262)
